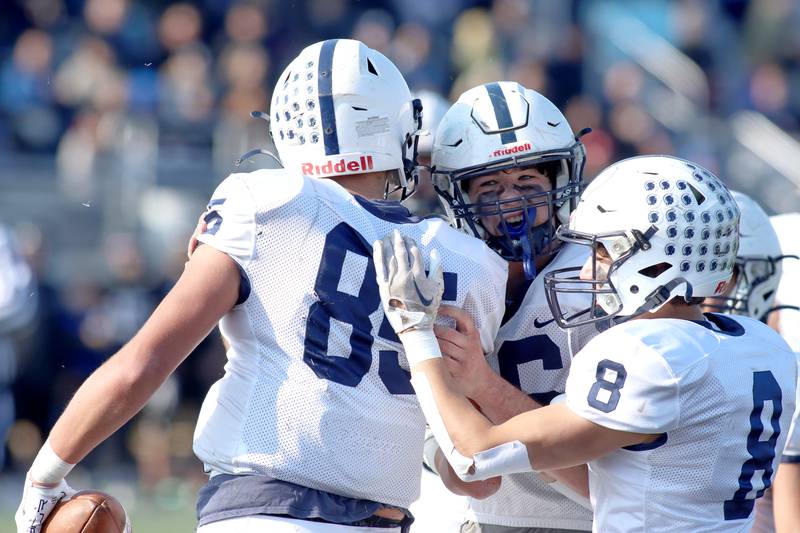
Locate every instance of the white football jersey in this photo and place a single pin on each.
(765, 519)
(532, 353)
(720, 394)
(316, 390)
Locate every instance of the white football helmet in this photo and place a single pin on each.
(434, 107)
(758, 264)
(670, 228)
(342, 108)
(787, 228)
(499, 126)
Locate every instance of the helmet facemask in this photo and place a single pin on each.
(754, 290)
(521, 240)
(607, 307)
(408, 181)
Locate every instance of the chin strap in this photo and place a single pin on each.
(524, 242)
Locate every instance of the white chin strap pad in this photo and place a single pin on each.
(508, 458)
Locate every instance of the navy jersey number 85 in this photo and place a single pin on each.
(344, 245)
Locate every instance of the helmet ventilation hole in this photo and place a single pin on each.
(371, 67)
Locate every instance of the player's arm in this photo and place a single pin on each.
(552, 437)
(786, 485)
(786, 498)
(208, 288)
(461, 349)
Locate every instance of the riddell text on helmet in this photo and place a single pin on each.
(363, 163)
(508, 150)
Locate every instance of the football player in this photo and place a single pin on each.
(508, 169)
(314, 425)
(779, 509)
(682, 417)
(758, 266)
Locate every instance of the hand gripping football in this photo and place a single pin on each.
(88, 511)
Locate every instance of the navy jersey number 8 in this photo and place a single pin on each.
(611, 387)
(353, 310)
(762, 452)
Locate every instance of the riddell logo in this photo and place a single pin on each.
(721, 287)
(512, 150)
(363, 163)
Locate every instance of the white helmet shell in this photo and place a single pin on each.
(342, 108)
(669, 226)
(434, 106)
(787, 228)
(499, 126)
(758, 263)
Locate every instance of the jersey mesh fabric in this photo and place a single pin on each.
(791, 454)
(683, 484)
(536, 357)
(316, 391)
(765, 517)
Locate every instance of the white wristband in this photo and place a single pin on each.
(420, 345)
(48, 467)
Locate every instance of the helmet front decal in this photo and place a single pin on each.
(325, 91)
(501, 113)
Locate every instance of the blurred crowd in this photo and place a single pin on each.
(132, 110)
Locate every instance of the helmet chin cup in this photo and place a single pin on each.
(524, 241)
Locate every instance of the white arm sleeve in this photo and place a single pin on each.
(507, 458)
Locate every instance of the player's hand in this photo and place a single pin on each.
(462, 352)
(201, 227)
(410, 296)
(474, 489)
(38, 500)
(481, 490)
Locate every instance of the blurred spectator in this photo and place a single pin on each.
(17, 308)
(116, 115)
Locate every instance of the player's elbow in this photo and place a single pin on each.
(137, 370)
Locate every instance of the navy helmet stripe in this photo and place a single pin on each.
(501, 112)
(325, 90)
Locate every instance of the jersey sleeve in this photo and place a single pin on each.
(791, 453)
(620, 383)
(230, 217)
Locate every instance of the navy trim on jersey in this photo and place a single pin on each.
(514, 302)
(724, 324)
(647, 446)
(325, 90)
(244, 285)
(388, 210)
(790, 459)
(232, 496)
(501, 112)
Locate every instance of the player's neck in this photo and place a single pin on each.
(676, 310)
(370, 185)
(516, 274)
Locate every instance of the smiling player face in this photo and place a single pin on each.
(508, 187)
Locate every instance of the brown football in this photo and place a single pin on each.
(88, 511)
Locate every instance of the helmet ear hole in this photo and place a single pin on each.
(653, 271)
